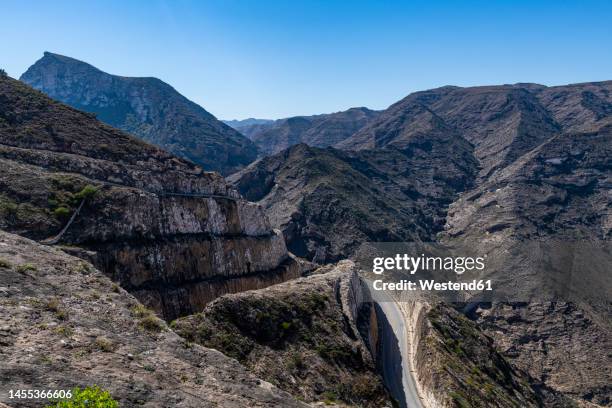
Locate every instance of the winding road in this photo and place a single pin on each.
(396, 353)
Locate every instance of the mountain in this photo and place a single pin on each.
(554, 198)
(172, 234)
(502, 122)
(515, 173)
(414, 121)
(327, 202)
(146, 107)
(245, 123)
(318, 131)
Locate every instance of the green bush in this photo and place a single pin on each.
(147, 319)
(23, 268)
(61, 212)
(87, 192)
(90, 397)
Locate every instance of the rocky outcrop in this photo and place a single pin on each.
(64, 324)
(145, 107)
(457, 364)
(317, 131)
(303, 336)
(169, 232)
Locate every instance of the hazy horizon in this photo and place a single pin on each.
(271, 60)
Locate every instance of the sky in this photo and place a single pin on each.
(274, 59)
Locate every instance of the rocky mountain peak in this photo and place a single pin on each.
(145, 107)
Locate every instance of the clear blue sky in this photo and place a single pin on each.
(272, 59)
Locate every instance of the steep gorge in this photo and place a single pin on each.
(494, 169)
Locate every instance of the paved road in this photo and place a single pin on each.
(395, 355)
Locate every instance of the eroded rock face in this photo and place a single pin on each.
(145, 107)
(65, 324)
(301, 335)
(173, 234)
(561, 346)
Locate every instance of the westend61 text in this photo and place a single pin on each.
(432, 285)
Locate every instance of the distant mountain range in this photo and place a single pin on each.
(146, 107)
(429, 143)
(503, 122)
(318, 130)
(239, 124)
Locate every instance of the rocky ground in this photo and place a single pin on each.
(63, 324)
(559, 345)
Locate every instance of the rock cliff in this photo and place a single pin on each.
(171, 233)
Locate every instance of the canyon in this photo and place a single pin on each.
(255, 265)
